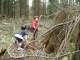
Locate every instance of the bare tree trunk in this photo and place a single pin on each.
(27, 9)
(36, 7)
(17, 9)
(2, 8)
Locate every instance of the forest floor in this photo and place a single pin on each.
(10, 26)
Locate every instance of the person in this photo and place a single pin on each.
(34, 27)
(21, 37)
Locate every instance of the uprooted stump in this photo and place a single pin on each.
(54, 37)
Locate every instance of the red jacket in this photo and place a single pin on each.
(34, 24)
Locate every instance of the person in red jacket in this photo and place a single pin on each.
(35, 23)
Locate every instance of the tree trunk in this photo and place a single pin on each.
(36, 8)
(17, 9)
(2, 8)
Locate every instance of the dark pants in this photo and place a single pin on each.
(18, 39)
(35, 31)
